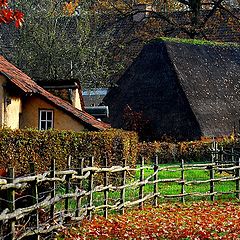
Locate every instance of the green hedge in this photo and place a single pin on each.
(19, 147)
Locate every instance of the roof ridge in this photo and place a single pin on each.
(198, 42)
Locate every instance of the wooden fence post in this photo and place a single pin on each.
(232, 155)
(213, 154)
(155, 178)
(34, 189)
(53, 190)
(105, 180)
(11, 204)
(237, 175)
(216, 151)
(182, 181)
(211, 169)
(80, 185)
(221, 155)
(141, 178)
(67, 188)
(90, 188)
(123, 191)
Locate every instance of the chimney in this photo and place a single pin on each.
(76, 98)
(68, 90)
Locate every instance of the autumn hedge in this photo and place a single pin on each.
(19, 147)
(193, 151)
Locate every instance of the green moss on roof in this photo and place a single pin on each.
(199, 42)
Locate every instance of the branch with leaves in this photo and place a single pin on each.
(190, 17)
(56, 43)
(8, 15)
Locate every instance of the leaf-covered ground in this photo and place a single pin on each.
(202, 220)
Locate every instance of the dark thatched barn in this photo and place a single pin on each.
(182, 90)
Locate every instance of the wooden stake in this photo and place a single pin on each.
(67, 187)
(141, 187)
(155, 187)
(216, 152)
(123, 191)
(80, 185)
(212, 182)
(232, 155)
(183, 182)
(53, 185)
(34, 189)
(237, 174)
(11, 204)
(221, 155)
(90, 188)
(105, 179)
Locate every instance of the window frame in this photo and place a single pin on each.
(45, 120)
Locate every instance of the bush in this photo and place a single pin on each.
(165, 151)
(19, 147)
(194, 151)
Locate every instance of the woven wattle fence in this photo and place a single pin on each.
(37, 205)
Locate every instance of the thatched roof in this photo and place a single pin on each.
(125, 32)
(184, 90)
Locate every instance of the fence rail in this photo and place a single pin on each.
(43, 193)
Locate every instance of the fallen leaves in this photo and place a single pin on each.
(203, 220)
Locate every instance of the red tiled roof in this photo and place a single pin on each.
(27, 85)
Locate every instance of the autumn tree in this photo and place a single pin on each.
(8, 14)
(58, 42)
(190, 18)
(137, 122)
(138, 21)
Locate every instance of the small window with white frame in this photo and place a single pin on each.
(45, 119)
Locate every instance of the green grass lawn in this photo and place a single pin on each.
(189, 175)
(164, 189)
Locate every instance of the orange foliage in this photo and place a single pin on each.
(126, 6)
(8, 15)
(70, 7)
(3, 172)
(204, 22)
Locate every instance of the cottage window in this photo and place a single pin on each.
(45, 119)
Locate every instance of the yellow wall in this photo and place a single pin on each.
(12, 111)
(10, 107)
(30, 115)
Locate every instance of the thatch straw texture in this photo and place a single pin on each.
(185, 91)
